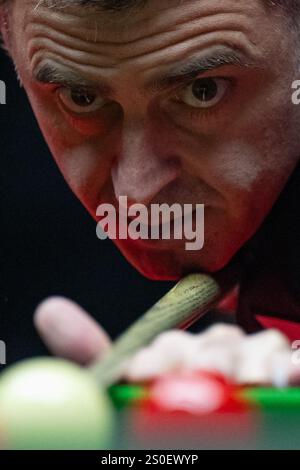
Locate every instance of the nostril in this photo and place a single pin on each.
(142, 179)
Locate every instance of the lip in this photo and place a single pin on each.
(151, 244)
(159, 244)
(168, 221)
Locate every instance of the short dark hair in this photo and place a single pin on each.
(109, 5)
(112, 5)
(290, 6)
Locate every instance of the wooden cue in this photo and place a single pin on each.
(189, 300)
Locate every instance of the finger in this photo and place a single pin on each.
(70, 332)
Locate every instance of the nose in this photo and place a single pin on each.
(142, 168)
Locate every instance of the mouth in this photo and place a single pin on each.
(158, 222)
(152, 244)
(155, 240)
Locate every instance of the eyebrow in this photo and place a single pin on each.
(54, 74)
(196, 66)
(50, 73)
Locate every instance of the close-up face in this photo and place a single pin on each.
(174, 101)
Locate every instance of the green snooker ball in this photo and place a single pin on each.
(53, 404)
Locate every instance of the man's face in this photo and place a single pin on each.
(177, 102)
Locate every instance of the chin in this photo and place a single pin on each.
(158, 273)
(172, 264)
(155, 265)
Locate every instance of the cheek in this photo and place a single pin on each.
(236, 167)
(84, 158)
(245, 169)
(87, 170)
(250, 179)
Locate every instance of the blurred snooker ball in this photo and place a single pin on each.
(48, 403)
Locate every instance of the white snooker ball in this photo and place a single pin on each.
(48, 403)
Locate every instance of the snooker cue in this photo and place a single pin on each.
(185, 303)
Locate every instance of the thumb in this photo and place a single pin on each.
(70, 332)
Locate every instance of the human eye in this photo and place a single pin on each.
(80, 101)
(203, 92)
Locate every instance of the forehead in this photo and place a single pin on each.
(157, 20)
(160, 33)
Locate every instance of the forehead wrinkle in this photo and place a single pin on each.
(107, 59)
(38, 46)
(107, 55)
(78, 26)
(178, 52)
(146, 65)
(39, 30)
(85, 28)
(183, 11)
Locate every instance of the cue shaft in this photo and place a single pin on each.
(187, 301)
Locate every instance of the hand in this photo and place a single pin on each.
(70, 332)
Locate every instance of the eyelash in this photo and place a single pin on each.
(205, 113)
(56, 90)
(193, 112)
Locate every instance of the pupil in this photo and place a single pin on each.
(82, 98)
(205, 89)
